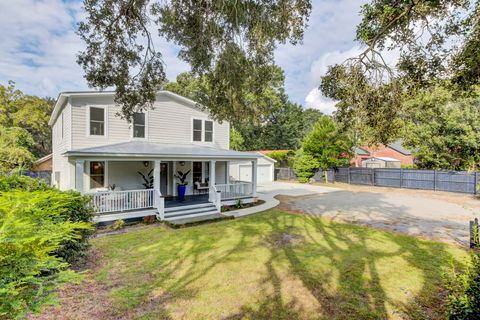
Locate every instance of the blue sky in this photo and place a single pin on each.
(38, 46)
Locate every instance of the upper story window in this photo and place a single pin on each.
(197, 130)
(208, 131)
(97, 121)
(139, 125)
(202, 130)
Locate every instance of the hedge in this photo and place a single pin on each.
(42, 231)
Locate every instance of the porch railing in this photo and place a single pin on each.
(235, 190)
(117, 201)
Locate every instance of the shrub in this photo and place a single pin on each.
(464, 291)
(149, 219)
(18, 182)
(38, 233)
(118, 224)
(283, 157)
(305, 165)
(239, 204)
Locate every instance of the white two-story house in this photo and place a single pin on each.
(130, 169)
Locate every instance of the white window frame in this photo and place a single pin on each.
(146, 128)
(203, 130)
(105, 121)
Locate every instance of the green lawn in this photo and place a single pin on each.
(272, 265)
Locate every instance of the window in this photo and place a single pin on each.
(197, 172)
(201, 171)
(208, 131)
(97, 174)
(197, 130)
(62, 125)
(97, 121)
(202, 129)
(139, 125)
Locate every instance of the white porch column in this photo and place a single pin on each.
(156, 175)
(211, 174)
(227, 172)
(174, 170)
(254, 178)
(79, 172)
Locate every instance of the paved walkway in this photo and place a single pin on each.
(268, 191)
(432, 215)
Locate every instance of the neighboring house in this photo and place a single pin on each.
(98, 153)
(243, 170)
(43, 164)
(394, 151)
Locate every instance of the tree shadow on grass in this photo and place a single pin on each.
(153, 275)
(360, 292)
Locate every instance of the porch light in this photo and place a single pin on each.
(146, 163)
(182, 163)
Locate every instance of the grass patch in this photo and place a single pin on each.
(272, 265)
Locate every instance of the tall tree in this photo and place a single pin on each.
(445, 130)
(282, 127)
(231, 43)
(327, 145)
(15, 146)
(437, 41)
(29, 112)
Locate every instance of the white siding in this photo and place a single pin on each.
(125, 176)
(220, 172)
(59, 146)
(169, 122)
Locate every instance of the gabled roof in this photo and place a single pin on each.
(135, 149)
(63, 98)
(43, 159)
(398, 146)
(361, 151)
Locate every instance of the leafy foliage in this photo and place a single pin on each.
(22, 183)
(444, 130)
(330, 147)
(147, 179)
(283, 157)
(41, 232)
(229, 43)
(464, 291)
(283, 126)
(182, 177)
(236, 140)
(437, 43)
(304, 165)
(30, 113)
(15, 146)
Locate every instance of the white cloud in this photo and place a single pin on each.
(38, 47)
(316, 100)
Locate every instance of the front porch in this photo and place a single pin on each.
(116, 188)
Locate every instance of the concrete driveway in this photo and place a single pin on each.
(432, 215)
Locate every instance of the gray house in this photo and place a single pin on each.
(98, 153)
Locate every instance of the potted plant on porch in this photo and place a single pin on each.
(182, 185)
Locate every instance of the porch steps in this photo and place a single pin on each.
(191, 213)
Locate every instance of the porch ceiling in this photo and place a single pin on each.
(142, 149)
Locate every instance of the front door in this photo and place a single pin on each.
(164, 178)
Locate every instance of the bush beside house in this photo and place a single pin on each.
(325, 147)
(42, 231)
